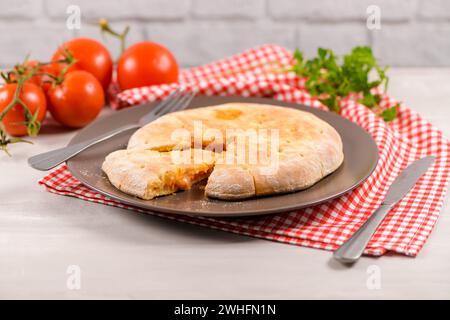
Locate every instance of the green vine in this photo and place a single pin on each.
(32, 124)
(106, 28)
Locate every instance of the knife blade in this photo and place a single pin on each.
(354, 247)
(407, 179)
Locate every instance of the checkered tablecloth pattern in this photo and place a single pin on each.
(260, 72)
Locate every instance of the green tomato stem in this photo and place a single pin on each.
(105, 27)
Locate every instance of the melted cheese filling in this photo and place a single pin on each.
(179, 179)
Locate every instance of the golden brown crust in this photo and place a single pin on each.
(309, 148)
(230, 183)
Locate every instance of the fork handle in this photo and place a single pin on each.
(354, 247)
(48, 160)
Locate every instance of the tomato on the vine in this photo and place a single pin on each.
(77, 100)
(25, 69)
(32, 96)
(91, 56)
(44, 75)
(146, 63)
(50, 72)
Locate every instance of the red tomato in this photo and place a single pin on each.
(42, 80)
(46, 81)
(145, 64)
(32, 96)
(91, 56)
(28, 65)
(77, 100)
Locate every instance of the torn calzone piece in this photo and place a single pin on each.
(148, 174)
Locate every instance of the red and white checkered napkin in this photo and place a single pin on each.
(257, 73)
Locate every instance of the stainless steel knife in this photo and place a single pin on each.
(353, 248)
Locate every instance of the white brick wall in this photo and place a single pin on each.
(413, 32)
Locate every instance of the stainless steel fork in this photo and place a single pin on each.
(176, 101)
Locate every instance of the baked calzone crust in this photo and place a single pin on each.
(303, 151)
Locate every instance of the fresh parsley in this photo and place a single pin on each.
(389, 114)
(331, 79)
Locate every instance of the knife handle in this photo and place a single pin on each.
(354, 247)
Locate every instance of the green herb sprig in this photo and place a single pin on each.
(332, 80)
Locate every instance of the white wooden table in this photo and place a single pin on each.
(126, 255)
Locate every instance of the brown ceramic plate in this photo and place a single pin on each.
(361, 157)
